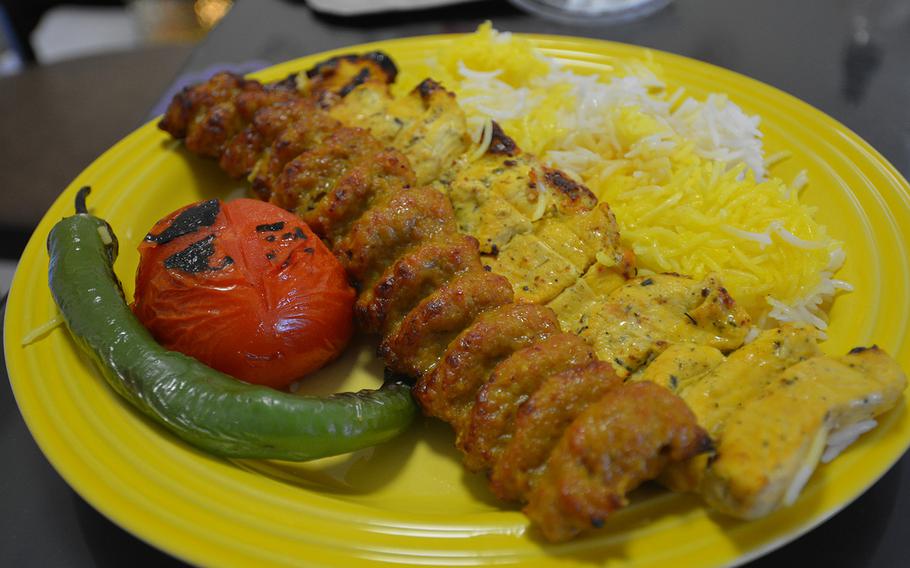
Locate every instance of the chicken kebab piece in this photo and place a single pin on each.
(775, 408)
(442, 316)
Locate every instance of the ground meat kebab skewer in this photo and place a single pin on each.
(443, 318)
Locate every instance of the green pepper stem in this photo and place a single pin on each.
(81, 208)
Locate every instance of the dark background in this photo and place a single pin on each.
(851, 59)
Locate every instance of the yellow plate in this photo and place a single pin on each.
(410, 501)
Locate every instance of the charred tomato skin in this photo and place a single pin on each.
(246, 288)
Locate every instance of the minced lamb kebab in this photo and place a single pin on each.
(448, 319)
(513, 399)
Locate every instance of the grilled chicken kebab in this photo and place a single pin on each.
(567, 422)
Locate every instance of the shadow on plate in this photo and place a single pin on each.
(648, 504)
(359, 473)
(210, 181)
(356, 473)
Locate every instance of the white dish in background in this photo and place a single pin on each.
(360, 7)
(591, 12)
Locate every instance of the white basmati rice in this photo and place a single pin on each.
(687, 178)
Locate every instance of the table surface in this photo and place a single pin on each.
(66, 114)
(849, 59)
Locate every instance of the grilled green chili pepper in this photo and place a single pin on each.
(208, 409)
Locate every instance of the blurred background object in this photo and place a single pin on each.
(591, 12)
(359, 7)
(66, 32)
(48, 31)
(114, 57)
(863, 54)
(174, 21)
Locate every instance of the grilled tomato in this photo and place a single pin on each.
(245, 287)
